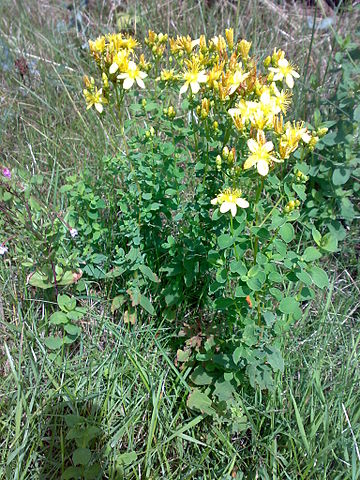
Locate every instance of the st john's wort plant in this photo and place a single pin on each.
(222, 230)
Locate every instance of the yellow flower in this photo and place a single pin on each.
(183, 44)
(282, 100)
(260, 154)
(236, 79)
(218, 43)
(229, 200)
(95, 98)
(286, 71)
(120, 62)
(168, 75)
(118, 42)
(132, 74)
(193, 76)
(244, 48)
(98, 46)
(214, 74)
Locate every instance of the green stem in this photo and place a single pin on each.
(257, 198)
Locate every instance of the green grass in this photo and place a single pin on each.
(123, 379)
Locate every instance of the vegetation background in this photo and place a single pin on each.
(123, 380)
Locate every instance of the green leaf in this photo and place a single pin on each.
(72, 473)
(319, 277)
(72, 329)
(221, 275)
(81, 456)
(275, 359)
(201, 377)
(147, 272)
(117, 302)
(147, 305)
(250, 335)
(286, 232)
(304, 277)
(69, 277)
(288, 305)
(66, 303)
(58, 318)
(357, 114)
(200, 401)
(224, 390)
(92, 472)
(126, 459)
(329, 243)
(340, 176)
(39, 280)
(237, 266)
(316, 235)
(53, 343)
(225, 241)
(311, 254)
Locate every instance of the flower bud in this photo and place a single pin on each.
(244, 48)
(105, 80)
(225, 153)
(218, 162)
(267, 61)
(215, 125)
(229, 34)
(143, 102)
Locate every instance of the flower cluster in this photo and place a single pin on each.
(224, 84)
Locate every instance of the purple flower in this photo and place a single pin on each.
(3, 249)
(6, 172)
(73, 232)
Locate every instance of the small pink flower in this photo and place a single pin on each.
(6, 172)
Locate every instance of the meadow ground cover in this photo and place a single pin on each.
(179, 268)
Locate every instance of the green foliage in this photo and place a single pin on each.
(334, 173)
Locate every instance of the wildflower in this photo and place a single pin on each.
(132, 74)
(193, 76)
(3, 249)
(120, 62)
(282, 100)
(291, 138)
(286, 71)
(244, 48)
(229, 200)
(73, 232)
(118, 42)
(97, 46)
(182, 44)
(6, 172)
(95, 98)
(218, 43)
(236, 79)
(214, 75)
(260, 154)
(167, 75)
